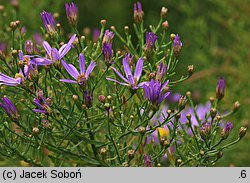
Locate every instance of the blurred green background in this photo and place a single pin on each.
(216, 40)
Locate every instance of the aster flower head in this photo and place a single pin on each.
(129, 79)
(220, 89)
(82, 77)
(205, 131)
(161, 71)
(43, 105)
(28, 45)
(177, 45)
(53, 55)
(226, 130)
(48, 22)
(107, 52)
(154, 91)
(148, 161)
(9, 108)
(108, 37)
(138, 12)
(150, 41)
(71, 11)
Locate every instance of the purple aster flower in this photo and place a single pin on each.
(82, 77)
(28, 45)
(130, 80)
(48, 22)
(52, 53)
(154, 91)
(108, 36)
(42, 103)
(150, 41)
(9, 108)
(138, 12)
(107, 52)
(71, 11)
(226, 130)
(177, 44)
(96, 34)
(148, 161)
(220, 89)
(161, 71)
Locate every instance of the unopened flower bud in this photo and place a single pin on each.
(188, 116)
(138, 12)
(35, 131)
(169, 111)
(172, 36)
(131, 116)
(165, 24)
(15, 53)
(103, 22)
(131, 154)
(15, 3)
(102, 99)
(218, 118)
(226, 130)
(177, 116)
(107, 106)
(109, 97)
(211, 99)
(142, 129)
(13, 25)
(103, 151)
(151, 75)
(220, 88)
(75, 97)
(243, 131)
(125, 164)
(213, 112)
(84, 106)
(71, 11)
(28, 45)
(190, 69)
(205, 131)
(236, 106)
(164, 12)
(202, 153)
(126, 29)
(179, 161)
(182, 102)
(188, 93)
(2, 8)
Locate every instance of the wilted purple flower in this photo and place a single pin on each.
(48, 22)
(82, 77)
(53, 54)
(108, 36)
(150, 41)
(177, 44)
(154, 91)
(148, 161)
(71, 11)
(138, 13)
(226, 130)
(220, 89)
(41, 103)
(107, 52)
(9, 108)
(205, 130)
(28, 46)
(161, 72)
(30, 70)
(130, 80)
(88, 98)
(96, 34)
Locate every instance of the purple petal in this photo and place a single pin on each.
(90, 69)
(126, 67)
(163, 97)
(55, 54)
(39, 111)
(47, 47)
(82, 63)
(41, 61)
(119, 74)
(68, 81)
(141, 85)
(164, 85)
(9, 80)
(138, 69)
(70, 69)
(66, 48)
(124, 84)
